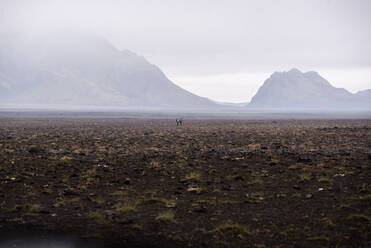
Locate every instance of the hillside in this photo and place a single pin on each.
(84, 69)
(297, 90)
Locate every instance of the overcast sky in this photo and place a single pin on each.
(220, 49)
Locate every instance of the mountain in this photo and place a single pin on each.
(364, 93)
(232, 104)
(66, 68)
(297, 90)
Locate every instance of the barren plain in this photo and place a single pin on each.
(207, 183)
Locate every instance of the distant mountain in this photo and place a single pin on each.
(297, 90)
(364, 93)
(232, 104)
(69, 68)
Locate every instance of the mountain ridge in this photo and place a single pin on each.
(294, 89)
(83, 69)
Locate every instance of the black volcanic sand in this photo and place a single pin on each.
(150, 183)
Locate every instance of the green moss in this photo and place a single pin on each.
(365, 198)
(165, 202)
(318, 238)
(167, 217)
(325, 180)
(193, 176)
(256, 181)
(128, 206)
(294, 167)
(359, 217)
(232, 227)
(97, 217)
(136, 227)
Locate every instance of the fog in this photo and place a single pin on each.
(222, 50)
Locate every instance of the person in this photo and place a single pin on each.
(179, 122)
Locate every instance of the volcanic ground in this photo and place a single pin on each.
(207, 183)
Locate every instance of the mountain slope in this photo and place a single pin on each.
(297, 90)
(84, 69)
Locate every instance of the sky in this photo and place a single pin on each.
(220, 49)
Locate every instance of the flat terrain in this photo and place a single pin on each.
(208, 183)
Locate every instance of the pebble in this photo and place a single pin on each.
(127, 181)
(296, 186)
(69, 192)
(308, 196)
(34, 149)
(199, 209)
(126, 221)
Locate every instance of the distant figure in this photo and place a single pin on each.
(179, 122)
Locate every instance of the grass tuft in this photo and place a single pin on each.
(167, 217)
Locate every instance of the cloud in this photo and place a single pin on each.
(204, 38)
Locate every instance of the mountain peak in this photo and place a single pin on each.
(82, 69)
(295, 70)
(295, 89)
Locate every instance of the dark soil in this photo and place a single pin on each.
(150, 183)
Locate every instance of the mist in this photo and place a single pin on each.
(221, 51)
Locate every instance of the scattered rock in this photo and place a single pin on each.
(344, 153)
(296, 186)
(194, 189)
(127, 181)
(70, 192)
(226, 187)
(44, 211)
(308, 196)
(238, 178)
(35, 150)
(303, 159)
(199, 209)
(57, 205)
(126, 221)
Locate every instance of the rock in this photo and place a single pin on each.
(57, 205)
(308, 196)
(199, 209)
(44, 211)
(127, 181)
(238, 178)
(226, 187)
(110, 213)
(302, 159)
(194, 189)
(34, 150)
(70, 192)
(344, 153)
(126, 221)
(296, 186)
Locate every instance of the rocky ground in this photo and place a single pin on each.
(142, 183)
